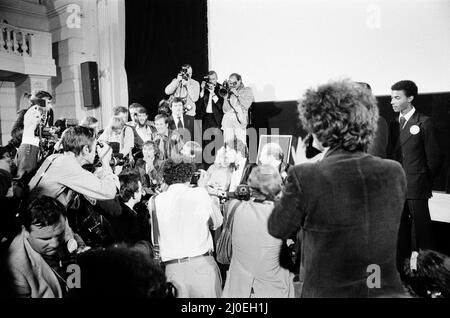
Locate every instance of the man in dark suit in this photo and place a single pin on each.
(413, 143)
(209, 108)
(179, 121)
(348, 205)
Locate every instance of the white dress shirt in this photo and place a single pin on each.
(407, 116)
(177, 120)
(185, 215)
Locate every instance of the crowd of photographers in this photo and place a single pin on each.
(138, 209)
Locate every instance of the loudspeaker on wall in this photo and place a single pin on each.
(89, 83)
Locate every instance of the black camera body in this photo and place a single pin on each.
(184, 73)
(195, 178)
(117, 159)
(242, 193)
(224, 89)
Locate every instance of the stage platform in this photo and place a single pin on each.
(440, 207)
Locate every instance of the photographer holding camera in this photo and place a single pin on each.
(185, 87)
(61, 176)
(237, 101)
(210, 104)
(255, 269)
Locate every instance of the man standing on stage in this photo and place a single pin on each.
(210, 103)
(413, 143)
(235, 107)
(185, 87)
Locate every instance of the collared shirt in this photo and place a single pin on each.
(176, 120)
(407, 116)
(237, 174)
(210, 99)
(185, 215)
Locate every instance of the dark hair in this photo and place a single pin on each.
(76, 137)
(341, 114)
(120, 110)
(238, 77)
(409, 87)
(238, 145)
(178, 170)
(164, 107)
(129, 184)
(42, 211)
(141, 110)
(177, 100)
(431, 276)
(186, 65)
(212, 73)
(121, 271)
(41, 94)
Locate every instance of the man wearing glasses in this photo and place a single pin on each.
(236, 103)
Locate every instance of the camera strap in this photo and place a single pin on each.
(45, 171)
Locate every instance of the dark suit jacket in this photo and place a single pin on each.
(348, 206)
(216, 107)
(188, 127)
(418, 153)
(379, 144)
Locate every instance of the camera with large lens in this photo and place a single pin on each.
(117, 159)
(195, 178)
(224, 89)
(185, 73)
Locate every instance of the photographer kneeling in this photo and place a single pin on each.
(255, 269)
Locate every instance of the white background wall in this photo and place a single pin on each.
(283, 47)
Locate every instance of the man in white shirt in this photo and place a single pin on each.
(185, 216)
(185, 87)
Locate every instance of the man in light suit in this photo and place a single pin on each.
(413, 143)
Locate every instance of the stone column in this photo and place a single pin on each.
(111, 53)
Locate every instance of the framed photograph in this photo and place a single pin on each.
(275, 141)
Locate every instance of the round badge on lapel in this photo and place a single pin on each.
(414, 130)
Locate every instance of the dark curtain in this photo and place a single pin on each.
(161, 35)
